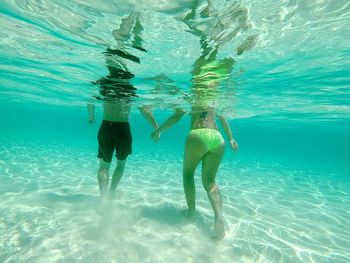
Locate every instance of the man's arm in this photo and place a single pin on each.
(91, 112)
(148, 115)
(227, 129)
(173, 119)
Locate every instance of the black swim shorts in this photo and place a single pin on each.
(114, 135)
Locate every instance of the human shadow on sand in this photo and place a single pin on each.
(171, 215)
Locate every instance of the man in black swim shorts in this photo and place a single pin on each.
(117, 93)
(114, 135)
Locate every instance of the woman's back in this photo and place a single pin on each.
(203, 118)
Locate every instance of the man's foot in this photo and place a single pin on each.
(112, 195)
(104, 194)
(101, 205)
(219, 228)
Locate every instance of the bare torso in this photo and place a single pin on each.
(203, 118)
(116, 111)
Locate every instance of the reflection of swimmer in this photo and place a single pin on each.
(130, 26)
(216, 27)
(207, 74)
(164, 92)
(116, 85)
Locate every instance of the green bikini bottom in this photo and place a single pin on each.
(210, 137)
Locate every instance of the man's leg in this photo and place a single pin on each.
(117, 175)
(210, 166)
(194, 151)
(103, 177)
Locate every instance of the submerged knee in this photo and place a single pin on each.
(210, 187)
(103, 174)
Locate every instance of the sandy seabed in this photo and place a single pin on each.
(51, 212)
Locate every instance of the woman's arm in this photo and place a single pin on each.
(173, 119)
(227, 129)
(146, 112)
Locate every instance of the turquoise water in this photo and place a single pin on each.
(285, 192)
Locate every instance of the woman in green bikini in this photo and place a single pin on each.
(204, 142)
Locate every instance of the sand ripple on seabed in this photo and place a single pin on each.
(51, 212)
(288, 215)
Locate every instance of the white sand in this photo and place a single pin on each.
(51, 212)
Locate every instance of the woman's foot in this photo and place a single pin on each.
(219, 228)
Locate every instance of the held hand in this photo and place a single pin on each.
(234, 144)
(155, 135)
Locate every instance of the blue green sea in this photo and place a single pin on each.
(285, 192)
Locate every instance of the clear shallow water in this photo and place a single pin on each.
(279, 206)
(285, 192)
(51, 211)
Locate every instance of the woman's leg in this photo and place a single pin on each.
(194, 151)
(210, 166)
